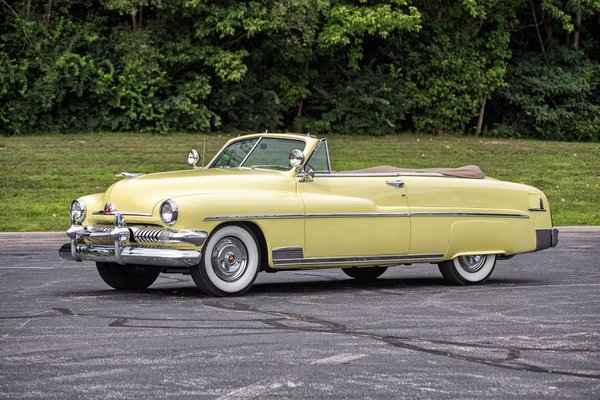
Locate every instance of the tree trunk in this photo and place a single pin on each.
(300, 107)
(140, 19)
(577, 28)
(480, 119)
(48, 15)
(537, 29)
(548, 27)
(134, 22)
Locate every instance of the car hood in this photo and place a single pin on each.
(145, 193)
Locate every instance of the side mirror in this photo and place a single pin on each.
(296, 158)
(193, 158)
(309, 176)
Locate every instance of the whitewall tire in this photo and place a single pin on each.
(468, 270)
(230, 262)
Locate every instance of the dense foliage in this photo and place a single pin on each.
(496, 67)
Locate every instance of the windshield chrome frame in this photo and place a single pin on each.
(260, 138)
(321, 141)
(216, 158)
(250, 152)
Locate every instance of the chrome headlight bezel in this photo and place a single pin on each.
(296, 158)
(77, 211)
(169, 212)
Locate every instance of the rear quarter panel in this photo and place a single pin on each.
(497, 218)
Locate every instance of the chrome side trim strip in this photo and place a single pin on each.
(130, 213)
(465, 214)
(537, 209)
(378, 174)
(297, 216)
(359, 260)
(356, 174)
(425, 174)
(360, 215)
(247, 217)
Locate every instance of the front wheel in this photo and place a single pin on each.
(468, 270)
(229, 263)
(125, 277)
(365, 273)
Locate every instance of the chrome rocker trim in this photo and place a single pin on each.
(120, 234)
(403, 258)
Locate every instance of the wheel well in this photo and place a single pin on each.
(262, 242)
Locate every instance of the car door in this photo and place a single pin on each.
(355, 215)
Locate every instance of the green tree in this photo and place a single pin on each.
(553, 84)
(456, 61)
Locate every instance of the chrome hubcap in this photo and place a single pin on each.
(229, 259)
(471, 264)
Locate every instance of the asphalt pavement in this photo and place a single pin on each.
(532, 331)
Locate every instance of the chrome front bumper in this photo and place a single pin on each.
(131, 245)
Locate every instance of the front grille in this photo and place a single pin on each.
(148, 235)
(144, 235)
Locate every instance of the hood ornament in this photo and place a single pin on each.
(130, 175)
(109, 208)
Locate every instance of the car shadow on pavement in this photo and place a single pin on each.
(391, 286)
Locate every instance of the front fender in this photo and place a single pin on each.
(279, 216)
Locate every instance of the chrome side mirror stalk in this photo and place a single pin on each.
(309, 176)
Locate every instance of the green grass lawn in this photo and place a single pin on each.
(42, 174)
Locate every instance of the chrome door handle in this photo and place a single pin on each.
(397, 184)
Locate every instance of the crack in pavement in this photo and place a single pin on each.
(280, 320)
(403, 342)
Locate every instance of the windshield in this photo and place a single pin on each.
(268, 153)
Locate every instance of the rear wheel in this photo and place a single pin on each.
(229, 264)
(125, 277)
(364, 274)
(468, 270)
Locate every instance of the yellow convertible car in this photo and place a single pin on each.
(271, 202)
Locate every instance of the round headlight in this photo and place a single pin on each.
(77, 211)
(169, 212)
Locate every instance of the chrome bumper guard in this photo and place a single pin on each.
(137, 252)
(546, 238)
